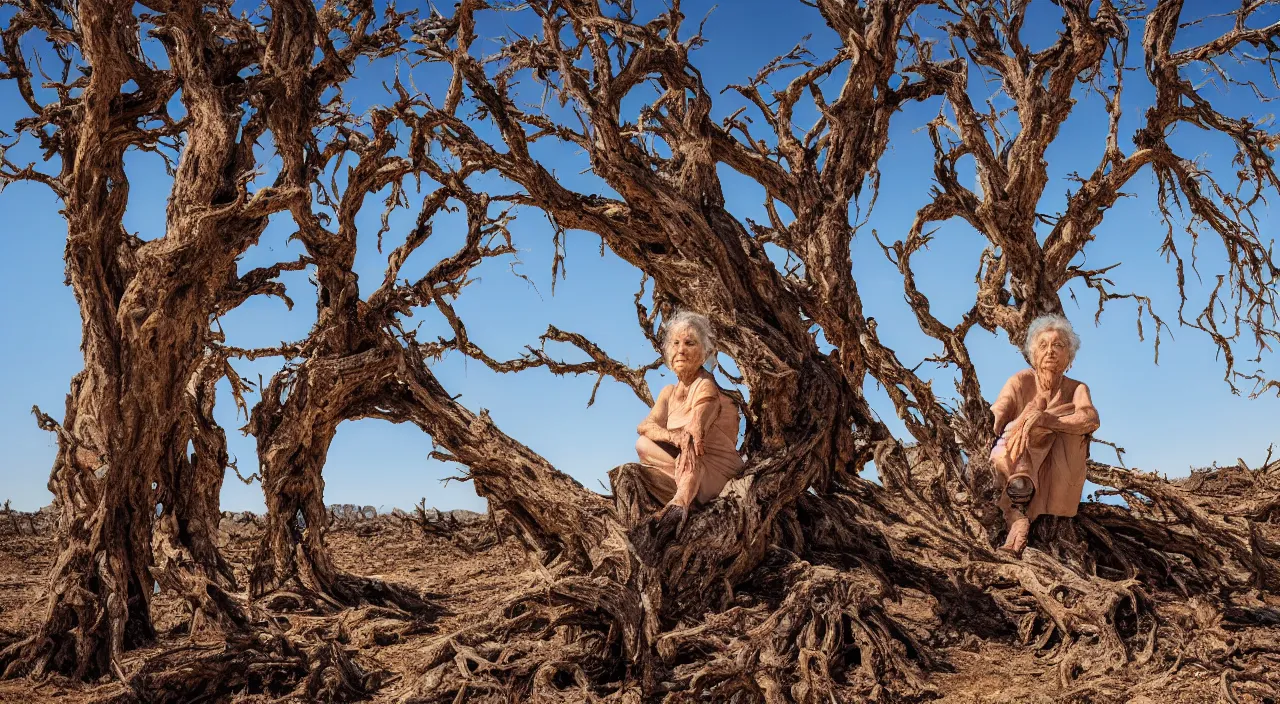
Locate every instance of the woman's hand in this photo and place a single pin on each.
(1020, 437)
(686, 441)
(657, 433)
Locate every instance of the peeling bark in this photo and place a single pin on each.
(293, 566)
(930, 521)
(146, 306)
(802, 581)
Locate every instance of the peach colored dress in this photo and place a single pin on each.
(711, 417)
(1054, 460)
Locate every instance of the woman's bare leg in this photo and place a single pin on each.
(1018, 491)
(658, 468)
(1016, 487)
(671, 478)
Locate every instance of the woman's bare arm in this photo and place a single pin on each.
(706, 409)
(1082, 422)
(1003, 408)
(654, 426)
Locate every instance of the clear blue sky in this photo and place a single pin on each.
(1170, 417)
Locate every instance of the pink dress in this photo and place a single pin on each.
(1054, 460)
(712, 418)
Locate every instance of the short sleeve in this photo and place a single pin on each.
(705, 406)
(658, 414)
(1005, 406)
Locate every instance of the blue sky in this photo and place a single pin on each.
(1169, 417)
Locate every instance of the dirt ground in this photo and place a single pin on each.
(471, 583)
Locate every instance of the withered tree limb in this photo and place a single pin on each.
(669, 220)
(146, 306)
(360, 362)
(1092, 600)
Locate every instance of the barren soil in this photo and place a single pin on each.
(471, 583)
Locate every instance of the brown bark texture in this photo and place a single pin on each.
(803, 581)
(801, 523)
(140, 460)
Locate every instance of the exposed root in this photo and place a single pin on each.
(205, 588)
(8, 638)
(1074, 619)
(797, 633)
(212, 607)
(830, 639)
(1220, 521)
(886, 587)
(265, 661)
(529, 651)
(84, 632)
(862, 598)
(1115, 594)
(340, 590)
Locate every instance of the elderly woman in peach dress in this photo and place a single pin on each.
(1043, 419)
(688, 444)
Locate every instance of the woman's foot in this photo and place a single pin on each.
(1016, 541)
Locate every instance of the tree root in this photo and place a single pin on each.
(1069, 617)
(208, 596)
(321, 669)
(830, 639)
(865, 588)
(1104, 592)
(799, 633)
(528, 651)
(342, 590)
(92, 617)
(1217, 520)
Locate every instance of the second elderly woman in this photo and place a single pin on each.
(688, 444)
(1043, 420)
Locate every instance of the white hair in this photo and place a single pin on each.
(701, 328)
(1044, 324)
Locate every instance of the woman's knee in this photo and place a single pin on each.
(651, 452)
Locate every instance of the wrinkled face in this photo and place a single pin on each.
(684, 350)
(1051, 352)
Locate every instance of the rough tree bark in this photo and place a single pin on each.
(790, 586)
(292, 565)
(349, 358)
(669, 220)
(184, 548)
(146, 306)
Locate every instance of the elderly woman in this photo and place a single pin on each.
(688, 444)
(1044, 420)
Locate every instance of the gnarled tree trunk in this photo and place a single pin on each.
(292, 565)
(145, 306)
(792, 585)
(808, 423)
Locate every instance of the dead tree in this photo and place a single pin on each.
(809, 425)
(13, 518)
(146, 305)
(16, 518)
(782, 589)
(359, 362)
(350, 363)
